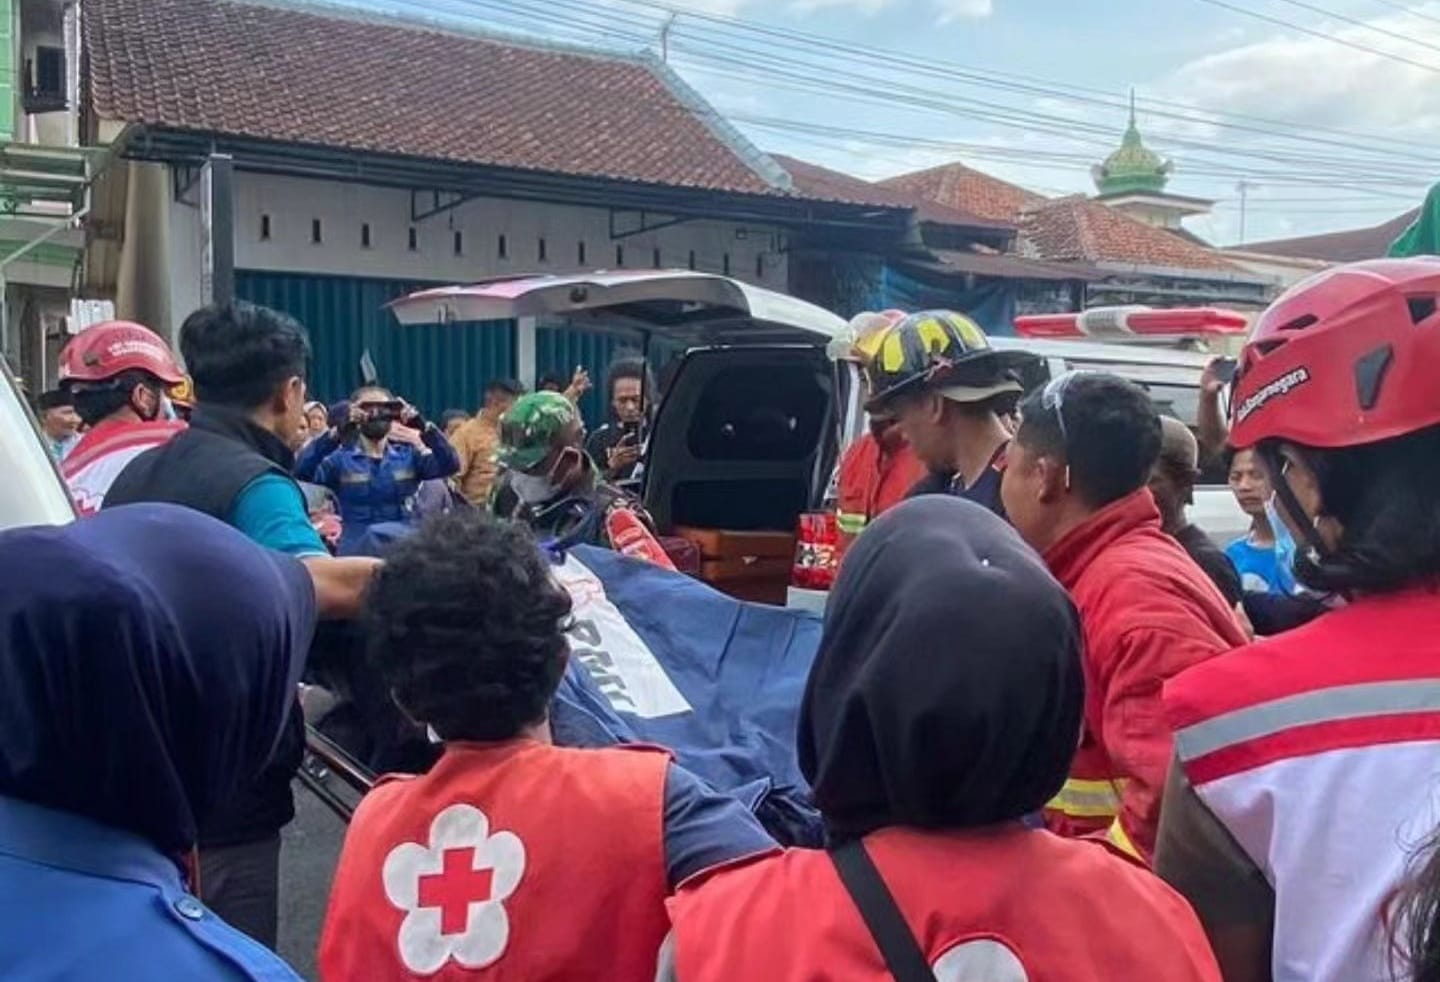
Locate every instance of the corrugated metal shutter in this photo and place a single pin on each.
(559, 350)
(435, 366)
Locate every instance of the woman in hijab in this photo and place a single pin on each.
(148, 658)
(943, 707)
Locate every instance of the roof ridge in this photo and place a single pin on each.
(424, 23)
(756, 159)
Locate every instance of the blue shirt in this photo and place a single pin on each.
(81, 901)
(1258, 567)
(704, 828)
(370, 489)
(271, 511)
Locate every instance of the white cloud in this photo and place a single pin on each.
(1314, 81)
(860, 6)
(953, 10)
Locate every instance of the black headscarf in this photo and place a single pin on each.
(148, 659)
(947, 692)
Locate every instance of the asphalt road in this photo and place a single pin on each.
(309, 851)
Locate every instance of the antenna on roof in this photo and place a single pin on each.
(665, 36)
(1132, 105)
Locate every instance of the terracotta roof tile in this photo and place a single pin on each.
(332, 79)
(815, 181)
(959, 187)
(1079, 229)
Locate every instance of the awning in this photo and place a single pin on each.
(1005, 266)
(44, 182)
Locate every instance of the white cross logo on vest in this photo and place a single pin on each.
(453, 891)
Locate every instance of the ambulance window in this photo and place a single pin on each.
(772, 415)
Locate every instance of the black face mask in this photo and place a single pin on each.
(375, 429)
(96, 405)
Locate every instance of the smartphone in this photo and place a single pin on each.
(1224, 369)
(631, 431)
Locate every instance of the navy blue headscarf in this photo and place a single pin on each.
(948, 691)
(148, 660)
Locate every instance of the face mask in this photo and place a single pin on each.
(532, 489)
(375, 429)
(1285, 552)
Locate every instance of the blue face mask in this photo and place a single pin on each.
(1284, 549)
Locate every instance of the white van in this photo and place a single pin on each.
(755, 417)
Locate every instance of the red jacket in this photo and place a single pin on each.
(1002, 902)
(1148, 614)
(874, 477)
(517, 860)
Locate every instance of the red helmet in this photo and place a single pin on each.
(1344, 358)
(107, 349)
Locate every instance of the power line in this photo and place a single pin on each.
(981, 76)
(1404, 9)
(1357, 22)
(1291, 25)
(815, 80)
(795, 40)
(1328, 171)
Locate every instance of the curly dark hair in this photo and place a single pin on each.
(467, 626)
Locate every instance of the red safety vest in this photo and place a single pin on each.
(1003, 904)
(518, 860)
(104, 451)
(873, 479)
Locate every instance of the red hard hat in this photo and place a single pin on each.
(107, 349)
(1344, 358)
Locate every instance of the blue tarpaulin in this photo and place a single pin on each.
(658, 657)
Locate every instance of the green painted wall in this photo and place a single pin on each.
(9, 69)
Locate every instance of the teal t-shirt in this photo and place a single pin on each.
(270, 510)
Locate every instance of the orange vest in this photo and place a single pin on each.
(510, 861)
(872, 481)
(1002, 903)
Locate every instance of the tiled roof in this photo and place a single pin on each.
(354, 82)
(1082, 230)
(1338, 247)
(957, 186)
(812, 180)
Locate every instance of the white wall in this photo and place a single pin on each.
(292, 204)
(42, 22)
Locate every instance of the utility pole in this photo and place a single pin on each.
(665, 37)
(1244, 188)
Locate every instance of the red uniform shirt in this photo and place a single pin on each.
(875, 476)
(518, 860)
(997, 903)
(1148, 614)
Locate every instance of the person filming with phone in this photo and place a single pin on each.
(375, 460)
(617, 445)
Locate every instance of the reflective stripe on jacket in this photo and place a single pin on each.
(1316, 750)
(873, 479)
(1149, 613)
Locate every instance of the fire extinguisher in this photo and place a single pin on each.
(629, 536)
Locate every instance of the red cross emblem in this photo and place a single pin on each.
(455, 888)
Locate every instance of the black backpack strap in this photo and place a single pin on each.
(862, 880)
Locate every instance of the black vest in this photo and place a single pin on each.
(205, 467)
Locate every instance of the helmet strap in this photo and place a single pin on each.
(1289, 505)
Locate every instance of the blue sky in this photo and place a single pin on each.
(1327, 135)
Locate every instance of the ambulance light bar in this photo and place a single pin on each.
(1133, 323)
